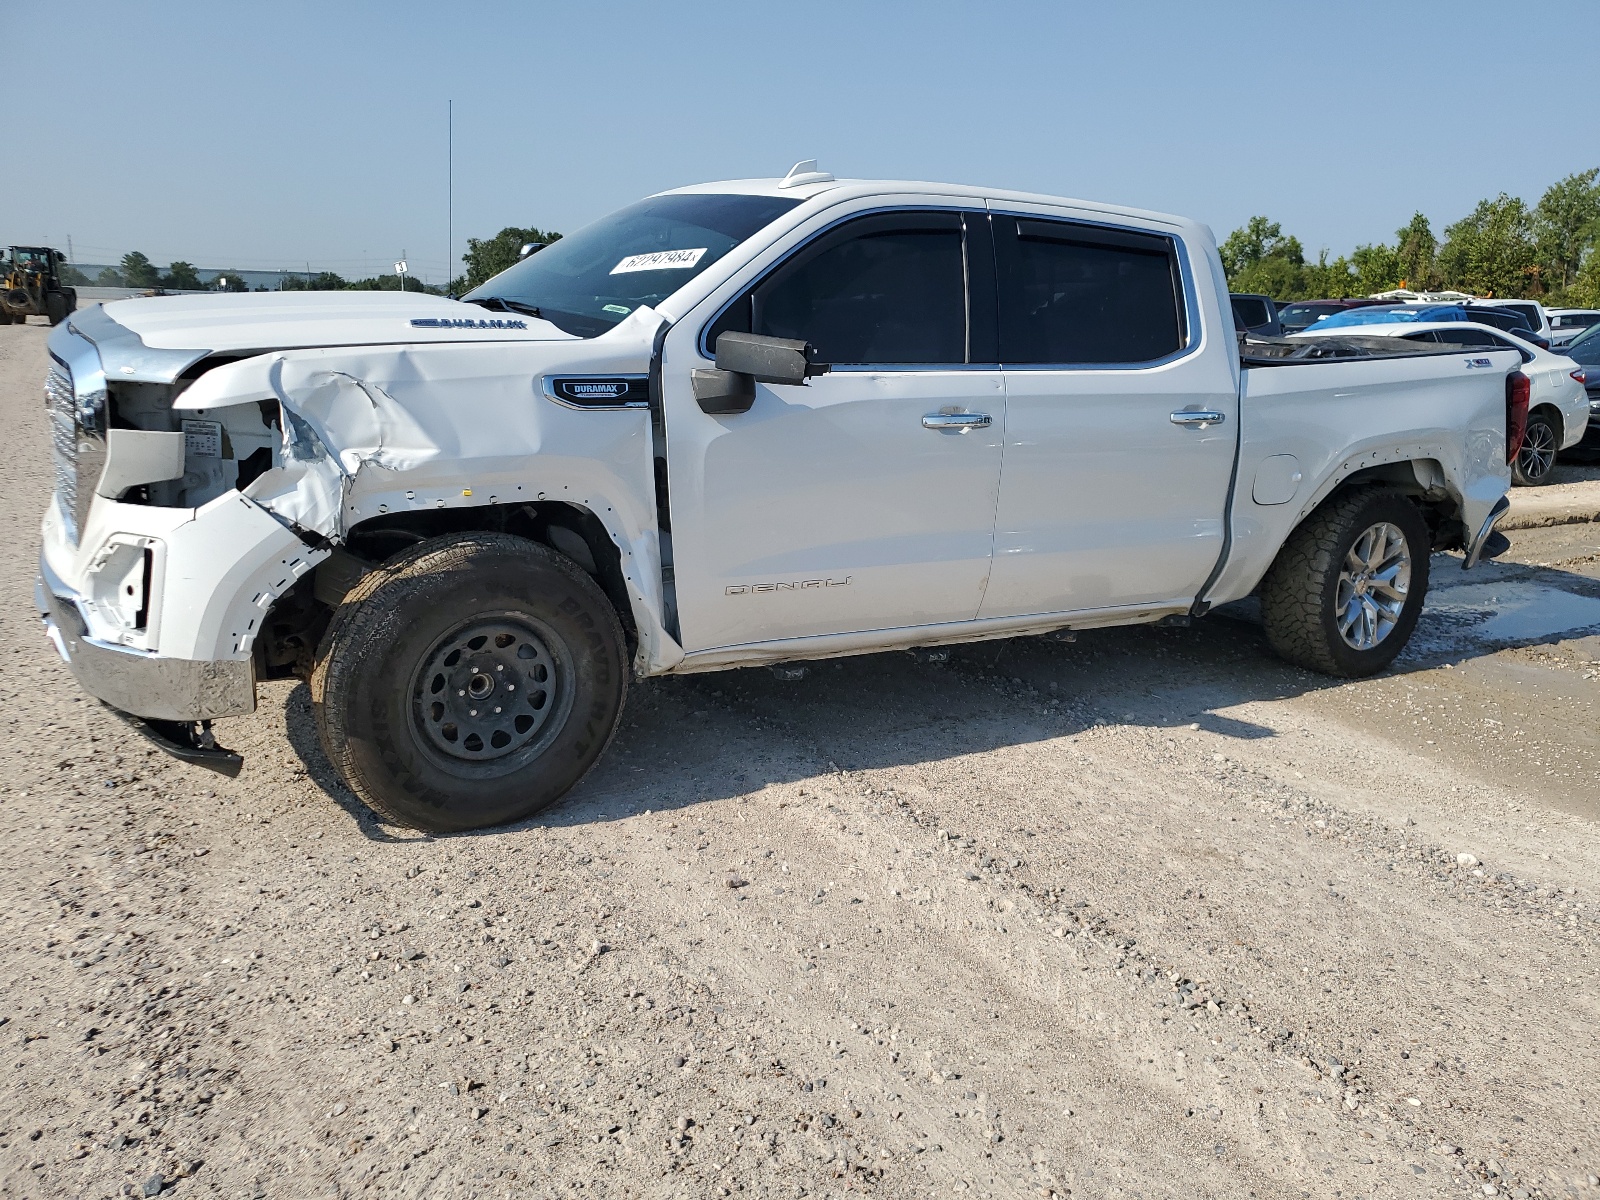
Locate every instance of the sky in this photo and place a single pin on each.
(277, 134)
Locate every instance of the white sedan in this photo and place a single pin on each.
(1558, 408)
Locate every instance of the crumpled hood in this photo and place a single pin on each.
(290, 320)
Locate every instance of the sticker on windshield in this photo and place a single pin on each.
(659, 260)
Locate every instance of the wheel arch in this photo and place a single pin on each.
(575, 531)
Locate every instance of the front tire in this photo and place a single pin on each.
(1345, 591)
(1537, 458)
(470, 682)
(55, 308)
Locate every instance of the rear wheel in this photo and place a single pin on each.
(469, 683)
(1345, 591)
(1537, 458)
(5, 317)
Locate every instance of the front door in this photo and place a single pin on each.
(1120, 434)
(849, 503)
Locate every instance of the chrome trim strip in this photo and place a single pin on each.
(1191, 299)
(136, 681)
(124, 353)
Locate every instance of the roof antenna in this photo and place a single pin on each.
(803, 172)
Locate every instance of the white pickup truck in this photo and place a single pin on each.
(743, 423)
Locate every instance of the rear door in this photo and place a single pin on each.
(851, 503)
(1120, 433)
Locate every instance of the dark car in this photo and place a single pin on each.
(1585, 351)
(1303, 314)
(1503, 316)
(1255, 314)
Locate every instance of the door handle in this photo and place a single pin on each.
(1199, 417)
(959, 421)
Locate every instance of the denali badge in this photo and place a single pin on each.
(799, 585)
(1479, 362)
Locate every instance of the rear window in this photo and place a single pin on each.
(1249, 312)
(1574, 320)
(1085, 294)
(1301, 315)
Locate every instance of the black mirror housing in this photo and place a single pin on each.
(766, 359)
(722, 393)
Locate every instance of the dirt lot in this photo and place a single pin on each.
(1147, 915)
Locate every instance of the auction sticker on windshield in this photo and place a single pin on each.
(658, 260)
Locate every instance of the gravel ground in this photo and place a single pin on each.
(1151, 914)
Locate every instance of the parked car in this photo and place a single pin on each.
(1568, 323)
(1255, 314)
(1301, 314)
(1558, 406)
(1508, 319)
(732, 425)
(1585, 351)
(1538, 320)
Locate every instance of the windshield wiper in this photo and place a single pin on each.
(501, 304)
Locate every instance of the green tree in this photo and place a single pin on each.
(322, 281)
(486, 258)
(1566, 224)
(109, 277)
(392, 283)
(1491, 252)
(1414, 256)
(181, 277)
(229, 281)
(1260, 258)
(139, 271)
(1376, 269)
(72, 277)
(1585, 289)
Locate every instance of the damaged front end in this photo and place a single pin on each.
(211, 510)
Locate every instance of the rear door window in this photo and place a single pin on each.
(1077, 294)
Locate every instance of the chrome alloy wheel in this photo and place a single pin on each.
(487, 691)
(1538, 454)
(1373, 584)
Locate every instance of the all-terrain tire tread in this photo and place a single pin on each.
(356, 622)
(1293, 592)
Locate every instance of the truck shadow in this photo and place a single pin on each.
(691, 739)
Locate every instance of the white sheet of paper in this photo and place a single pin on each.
(658, 260)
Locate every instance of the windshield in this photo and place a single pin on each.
(1376, 315)
(1585, 348)
(1298, 316)
(586, 283)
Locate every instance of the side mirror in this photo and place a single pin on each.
(767, 359)
(528, 248)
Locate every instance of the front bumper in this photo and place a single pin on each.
(136, 681)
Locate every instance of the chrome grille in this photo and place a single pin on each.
(59, 399)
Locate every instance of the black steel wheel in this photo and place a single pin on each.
(471, 681)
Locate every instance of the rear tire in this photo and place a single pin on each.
(1537, 458)
(1345, 591)
(5, 317)
(470, 682)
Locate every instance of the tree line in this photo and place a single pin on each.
(1503, 248)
